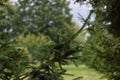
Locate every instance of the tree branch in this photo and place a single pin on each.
(85, 23)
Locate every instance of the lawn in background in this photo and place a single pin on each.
(82, 70)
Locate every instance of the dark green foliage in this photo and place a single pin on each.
(102, 53)
(43, 16)
(11, 63)
(48, 57)
(113, 16)
(102, 49)
(35, 40)
(51, 18)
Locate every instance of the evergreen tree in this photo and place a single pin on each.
(48, 16)
(50, 20)
(102, 47)
(36, 39)
(11, 63)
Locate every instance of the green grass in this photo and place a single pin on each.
(82, 70)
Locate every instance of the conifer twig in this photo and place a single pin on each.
(86, 21)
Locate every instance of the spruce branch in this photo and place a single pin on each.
(85, 23)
